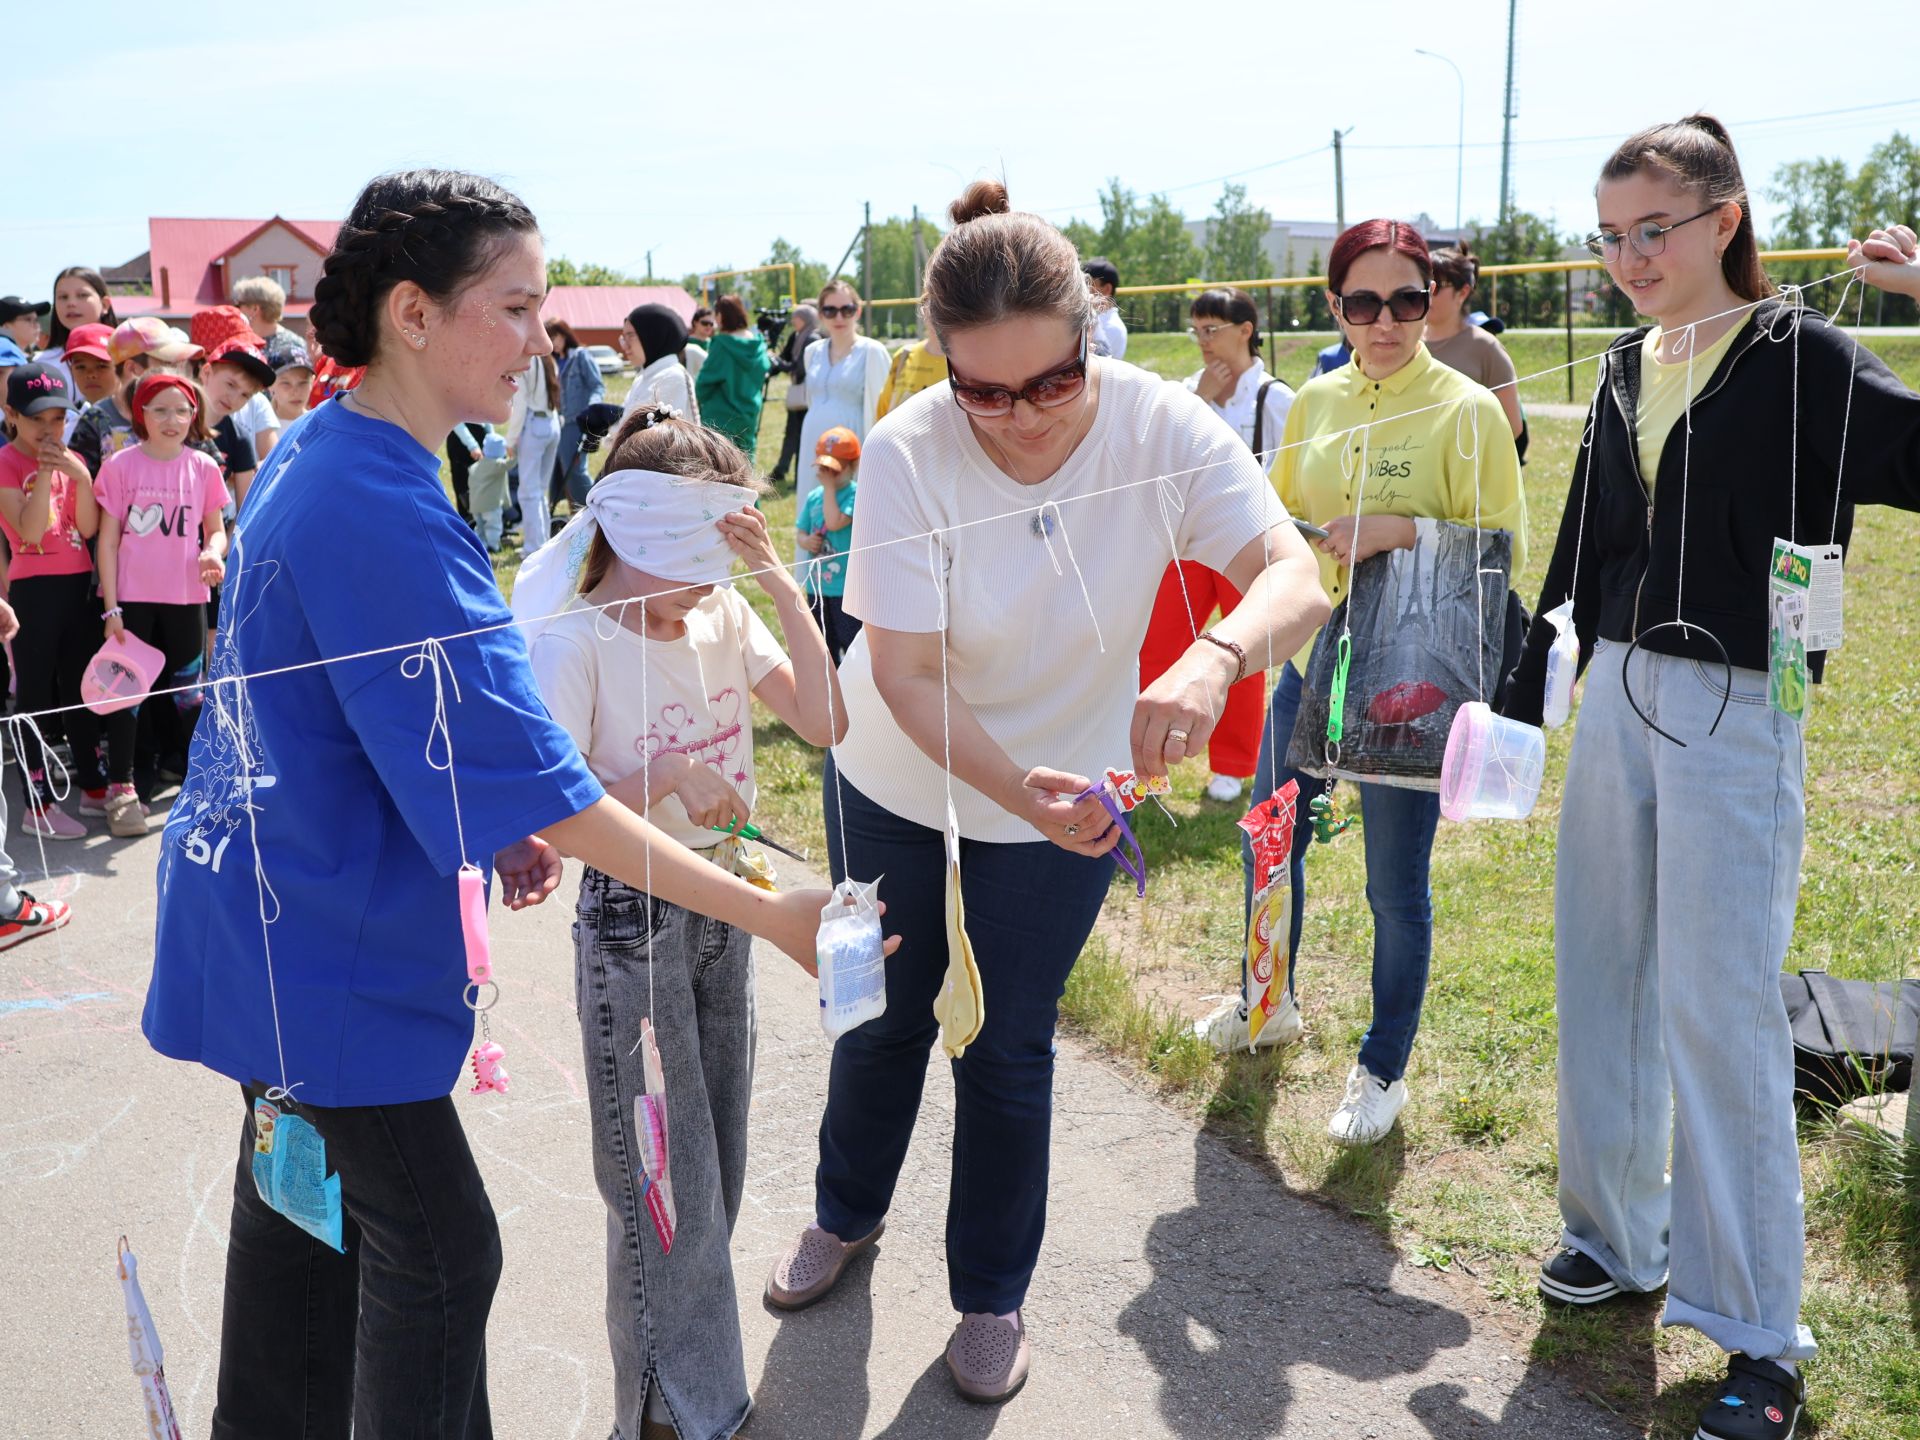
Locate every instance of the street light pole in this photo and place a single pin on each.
(1460, 164)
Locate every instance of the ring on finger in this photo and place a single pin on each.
(1072, 830)
(1177, 734)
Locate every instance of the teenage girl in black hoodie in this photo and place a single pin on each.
(1711, 434)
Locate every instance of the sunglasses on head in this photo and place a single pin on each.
(1406, 305)
(834, 312)
(1054, 388)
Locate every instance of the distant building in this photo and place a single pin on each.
(192, 265)
(1299, 247)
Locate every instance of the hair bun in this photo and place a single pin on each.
(982, 197)
(1711, 125)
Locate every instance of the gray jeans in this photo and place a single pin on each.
(1678, 874)
(672, 1321)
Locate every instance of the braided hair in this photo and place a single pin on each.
(436, 228)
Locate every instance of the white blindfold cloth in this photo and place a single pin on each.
(663, 524)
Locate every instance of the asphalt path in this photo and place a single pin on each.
(1184, 1291)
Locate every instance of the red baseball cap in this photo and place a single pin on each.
(246, 353)
(90, 340)
(217, 323)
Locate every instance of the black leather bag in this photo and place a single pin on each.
(1850, 1037)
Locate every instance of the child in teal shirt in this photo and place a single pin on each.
(825, 525)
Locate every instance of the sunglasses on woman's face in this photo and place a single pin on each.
(1044, 392)
(1363, 307)
(834, 312)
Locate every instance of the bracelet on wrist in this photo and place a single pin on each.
(109, 614)
(1239, 655)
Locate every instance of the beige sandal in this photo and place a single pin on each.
(812, 1266)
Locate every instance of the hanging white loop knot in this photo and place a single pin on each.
(1785, 322)
(17, 725)
(1348, 452)
(1471, 414)
(431, 657)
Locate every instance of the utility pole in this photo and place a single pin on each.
(1340, 179)
(919, 255)
(649, 267)
(1506, 126)
(866, 255)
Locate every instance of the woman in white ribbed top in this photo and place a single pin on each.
(968, 494)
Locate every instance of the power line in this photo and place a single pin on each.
(1615, 135)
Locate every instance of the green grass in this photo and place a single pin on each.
(1467, 1181)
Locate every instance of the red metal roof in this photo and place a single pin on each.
(186, 249)
(605, 307)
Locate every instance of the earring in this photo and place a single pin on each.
(419, 342)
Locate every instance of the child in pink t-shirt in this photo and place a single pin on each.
(162, 544)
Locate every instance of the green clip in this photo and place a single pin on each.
(1337, 700)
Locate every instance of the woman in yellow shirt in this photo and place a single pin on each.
(1409, 418)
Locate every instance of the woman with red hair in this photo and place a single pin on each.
(1408, 420)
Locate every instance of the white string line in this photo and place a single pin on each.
(1363, 428)
(833, 725)
(432, 655)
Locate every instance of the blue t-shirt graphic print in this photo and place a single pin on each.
(320, 770)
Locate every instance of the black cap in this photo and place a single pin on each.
(1103, 270)
(12, 307)
(32, 389)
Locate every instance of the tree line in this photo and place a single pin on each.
(1147, 238)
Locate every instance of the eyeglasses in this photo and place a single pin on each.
(1648, 238)
(1406, 305)
(1044, 392)
(1134, 863)
(1207, 332)
(169, 412)
(834, 312)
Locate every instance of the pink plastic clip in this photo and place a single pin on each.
(473, 924)
(489, 1068)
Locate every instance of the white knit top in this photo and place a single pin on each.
(1023, 647)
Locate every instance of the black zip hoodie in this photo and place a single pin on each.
(1738, 492)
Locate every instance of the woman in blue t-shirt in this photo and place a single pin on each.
(309, 942)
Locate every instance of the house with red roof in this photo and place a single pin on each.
(191, 265)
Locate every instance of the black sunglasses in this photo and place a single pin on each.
(834, 312)
(1363, 307)
(1054, 388)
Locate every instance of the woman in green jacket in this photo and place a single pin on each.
(733, 382)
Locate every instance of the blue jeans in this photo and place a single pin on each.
(1398, 832)
(1029, 910)
(1674, 897)
(671, 1318)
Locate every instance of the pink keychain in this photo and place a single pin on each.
(489, 1069)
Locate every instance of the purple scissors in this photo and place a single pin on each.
(1134, 864)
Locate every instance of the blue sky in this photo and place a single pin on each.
(703, 131)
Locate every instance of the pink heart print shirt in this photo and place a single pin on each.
(160, 505)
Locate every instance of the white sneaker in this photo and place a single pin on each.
(1369, 1109)
(1226, 1028)
(1225, 788)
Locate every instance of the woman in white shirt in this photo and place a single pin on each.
(1238, 389)
(845, 373)
(991, 688)
(655, 339)
(533, 438)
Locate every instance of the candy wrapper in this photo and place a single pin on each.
(655, 1175)
(1417, 654)
(290, 1172)
(849, 950)
(1270, 825)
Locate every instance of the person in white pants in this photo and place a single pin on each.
(533, 438)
